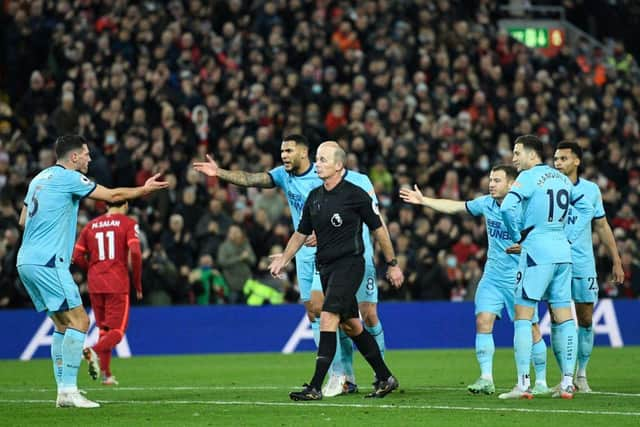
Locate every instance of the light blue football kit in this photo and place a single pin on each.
(496, 289)
(545, 260)
(52, 202)
(584, 283)
(584, 280)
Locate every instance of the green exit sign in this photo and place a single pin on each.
(531, 37)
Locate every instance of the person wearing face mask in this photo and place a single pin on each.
(496, 288)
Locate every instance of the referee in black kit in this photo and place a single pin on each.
(336, 211)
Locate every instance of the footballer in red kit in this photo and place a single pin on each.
(103, 250)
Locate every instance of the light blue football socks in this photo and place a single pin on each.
(56, 355)
(72, 344)
(485, 349)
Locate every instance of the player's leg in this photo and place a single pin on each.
(54, 290)
(93, 357)
(560, 303)
(30, 275)
(539, 357)
(115, 322)
(532, 281)
(584, 312)
(488, 305)
(585, 295)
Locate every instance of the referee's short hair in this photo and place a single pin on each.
(67, 143)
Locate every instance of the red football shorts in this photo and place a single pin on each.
(111, 310)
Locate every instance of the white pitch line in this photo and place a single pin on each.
(251, 388)
(342, 405)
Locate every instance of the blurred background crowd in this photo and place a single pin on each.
(424, 92)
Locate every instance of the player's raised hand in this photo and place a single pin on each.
(395, 276)
(209, 168)
(412, 196)
(153, 183)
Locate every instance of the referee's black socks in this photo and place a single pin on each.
(369, 349)
(326, 352)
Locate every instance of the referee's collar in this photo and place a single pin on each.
(339, 184)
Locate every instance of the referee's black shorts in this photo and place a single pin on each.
(340, 282)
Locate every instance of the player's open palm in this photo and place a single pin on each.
(411, 196)
(154, 184)
(209, 168)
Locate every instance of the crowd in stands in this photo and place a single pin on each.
(422, 92)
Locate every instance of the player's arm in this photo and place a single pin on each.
(415, 197)
(23, 217)
(241, 178)
(80, 252)
(136, 265)
(305, 228)
(127, 193)
(508, 210)
(603, 230)
(371, 216)
(585, 214)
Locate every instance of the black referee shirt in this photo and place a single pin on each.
(337, 216)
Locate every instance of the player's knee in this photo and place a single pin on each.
(484, 323)
(585, 320)
(369, 314)
(535, 333)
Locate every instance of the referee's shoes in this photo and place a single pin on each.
(307, 393)
(382, 388)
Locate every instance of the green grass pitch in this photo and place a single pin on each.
(251, 389)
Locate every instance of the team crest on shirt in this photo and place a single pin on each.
(336, 220)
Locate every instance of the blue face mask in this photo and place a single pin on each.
(452, 262)
(205, 268)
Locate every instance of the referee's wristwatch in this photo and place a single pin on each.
(392, 263)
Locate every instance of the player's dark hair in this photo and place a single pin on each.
(117, 204)
(571, 145)
(531, 142)
(68, 143)
(510, 171)
(575, 149)
(298, 139)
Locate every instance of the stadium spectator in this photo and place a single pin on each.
(236, 258)
(409, 80)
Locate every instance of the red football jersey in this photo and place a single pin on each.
(107, 241)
